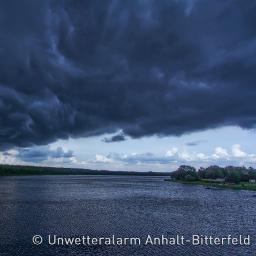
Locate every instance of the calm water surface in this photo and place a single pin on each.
(125, 206)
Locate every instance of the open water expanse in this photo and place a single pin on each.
(124, 206)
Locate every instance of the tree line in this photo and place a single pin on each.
(231, 174)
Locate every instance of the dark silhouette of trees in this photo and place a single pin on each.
(185, 172)
(229, 174)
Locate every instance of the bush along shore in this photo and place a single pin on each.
(215, 177)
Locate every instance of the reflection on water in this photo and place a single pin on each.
(126, 206)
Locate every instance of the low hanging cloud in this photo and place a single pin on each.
(38, 154)
(194, 143)
(220, 152)
(237, 151)
(43, 153)
(220, 156)
(84, 68)
(115, 138)
(175, 156)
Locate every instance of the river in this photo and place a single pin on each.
(123, 206)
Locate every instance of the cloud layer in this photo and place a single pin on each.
(176, 156)
(168, 161)
(82, 68)
(37, 155)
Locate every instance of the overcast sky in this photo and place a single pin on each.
(128, 85)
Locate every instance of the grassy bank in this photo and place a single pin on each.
(207, 184)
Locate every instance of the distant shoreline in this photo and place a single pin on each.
(18, 170)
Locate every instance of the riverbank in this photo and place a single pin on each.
(217, 185)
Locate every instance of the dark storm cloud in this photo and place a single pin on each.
(82, 68)
(115, 138)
